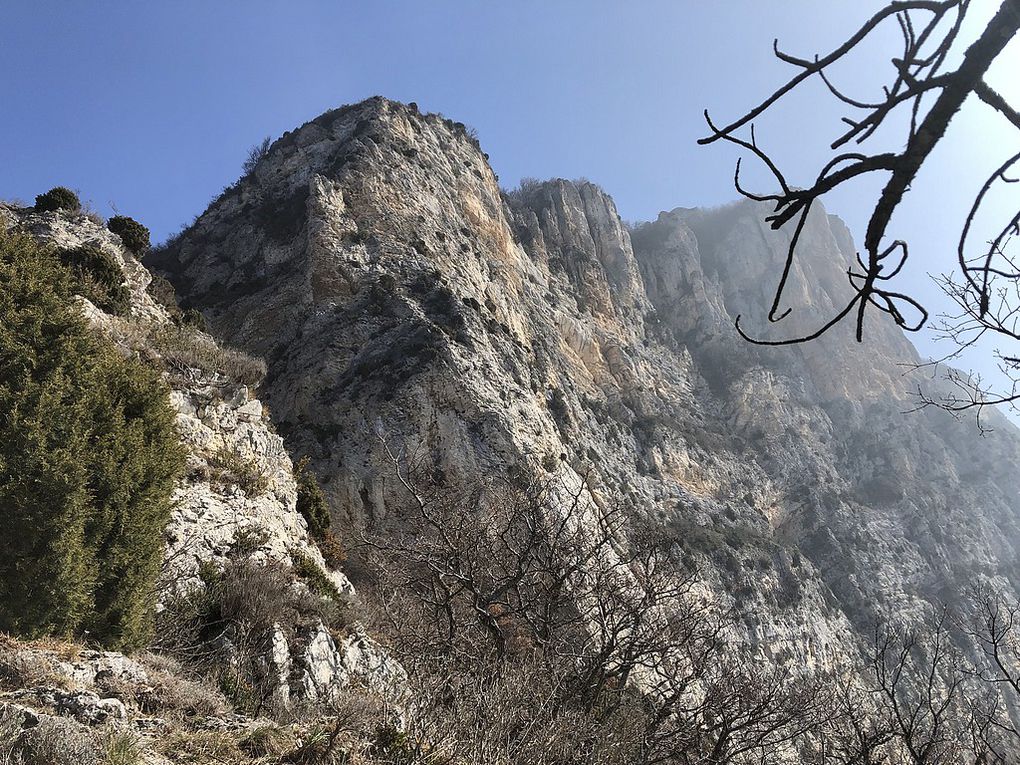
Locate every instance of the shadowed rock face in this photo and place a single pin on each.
(399, 297)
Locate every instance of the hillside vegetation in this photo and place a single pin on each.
(88, 457)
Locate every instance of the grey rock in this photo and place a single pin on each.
(328, 667)
(87, 707)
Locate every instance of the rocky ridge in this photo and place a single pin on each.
(237, 500)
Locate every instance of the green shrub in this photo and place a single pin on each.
(311, 501)
(550, 462)
(58, 198)
(315, 578)
(98, 278)
(133, 234)
(394, 746)
(163, 293)
(88, 457)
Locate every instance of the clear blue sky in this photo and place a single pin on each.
(151, 107)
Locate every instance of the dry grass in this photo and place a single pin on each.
(172, 693)
(122, 747)
(229, 467)
(200, 747)
(33, 664)
(65, 650)
(181, 349)
(186, 347)
(267, 740)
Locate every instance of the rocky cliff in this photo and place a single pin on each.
(235, 505)
(399, 297)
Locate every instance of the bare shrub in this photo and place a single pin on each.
(532, 621)
(225, 630)
(525, 193)
(347, 726)
(172, 692)
(332, 550)
(255, 155)
(58, 741)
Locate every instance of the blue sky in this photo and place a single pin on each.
(149, 108)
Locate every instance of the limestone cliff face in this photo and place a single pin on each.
(401, 299)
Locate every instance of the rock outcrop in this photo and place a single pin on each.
(238, 495)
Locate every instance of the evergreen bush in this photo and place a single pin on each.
(133, 234)
(98, 277)
(162, 291)
(88, 457)
(58, 198)
(311, 501)
(192, 317)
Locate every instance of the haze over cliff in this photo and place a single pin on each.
(405, 304)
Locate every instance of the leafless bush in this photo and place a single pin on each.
(344, 725)
(225, 630)
(533, 623)
(922, 700)
(255, 155)
(525, 192)
(171, 691)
